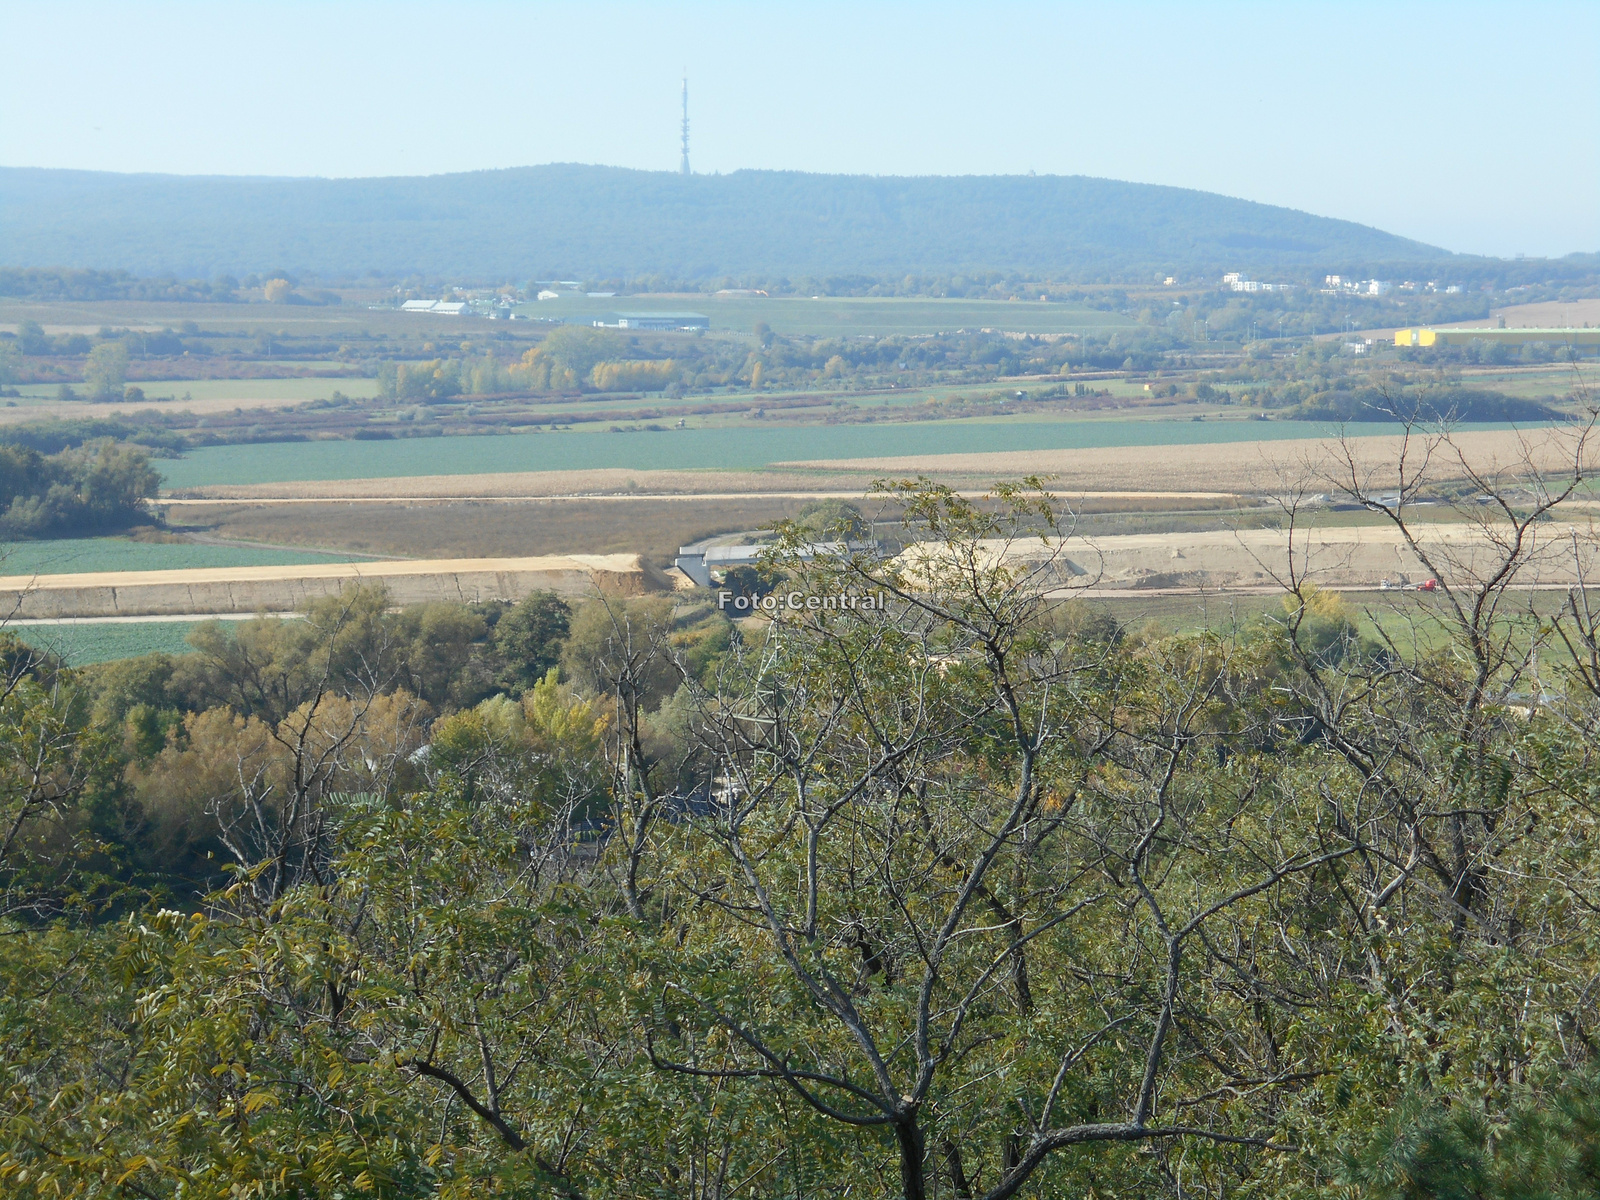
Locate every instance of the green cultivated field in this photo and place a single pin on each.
(77, 556)
(826, 317)
(847, 316)
(92, 643)
(687, 449)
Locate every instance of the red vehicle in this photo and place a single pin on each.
(1428, 585)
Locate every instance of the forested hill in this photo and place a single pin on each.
(599, 222)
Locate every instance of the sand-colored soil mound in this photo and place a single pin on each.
(291, 588)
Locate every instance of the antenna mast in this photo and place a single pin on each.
(684, 168)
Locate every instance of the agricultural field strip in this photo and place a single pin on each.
(1543, 314)
(474, 498)
(1210, 541)
(75, 556)
(80, 644)
(1197, 471)
(143, 619)
(353, 571)
(825, 316)
(1210, 460)
(77, 410)
(737, 450)
(847, 316)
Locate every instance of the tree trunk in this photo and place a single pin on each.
(958, 1172)
(911, 1151)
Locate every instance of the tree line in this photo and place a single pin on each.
(95, 487)
(982, 895)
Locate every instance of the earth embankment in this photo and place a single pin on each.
(290, 588)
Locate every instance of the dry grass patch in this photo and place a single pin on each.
(611, 481)
(1212, 468)
(468, 528)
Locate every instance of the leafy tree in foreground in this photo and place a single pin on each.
(983, 897)
(973, 895)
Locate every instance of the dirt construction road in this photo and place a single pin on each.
(1245, 561)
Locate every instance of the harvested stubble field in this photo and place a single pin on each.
(612, 483)
(1238, 467)
(42, 409)
(205, 395)
(654, 528)
(1558, 379)
(608, 481)
(651, 525)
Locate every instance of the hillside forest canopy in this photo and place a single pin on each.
(979, 894)
(589, 221)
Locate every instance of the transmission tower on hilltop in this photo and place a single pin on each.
(683, 169)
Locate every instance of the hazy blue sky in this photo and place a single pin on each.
(1471, 126)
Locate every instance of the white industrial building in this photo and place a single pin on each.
(449, 308)
(654, 321)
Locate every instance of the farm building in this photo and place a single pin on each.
(449, 308)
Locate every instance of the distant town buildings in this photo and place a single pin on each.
(1358, 287)
(1234, 281)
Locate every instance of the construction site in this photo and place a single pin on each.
(1231, 522)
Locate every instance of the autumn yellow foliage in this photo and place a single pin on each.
(628, 376)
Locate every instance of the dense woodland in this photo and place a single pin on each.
(979, 895)
(575, 221)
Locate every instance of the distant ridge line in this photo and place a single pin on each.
(576, 221)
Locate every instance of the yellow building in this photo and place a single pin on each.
(1581, 341)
